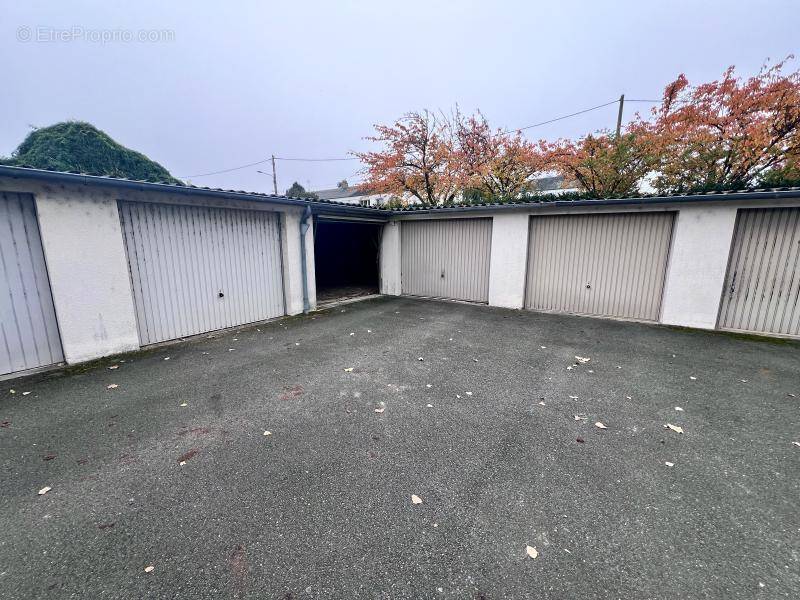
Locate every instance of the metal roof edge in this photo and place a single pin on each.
(637, 201)
(321, 206)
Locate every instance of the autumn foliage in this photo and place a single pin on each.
(726, 134)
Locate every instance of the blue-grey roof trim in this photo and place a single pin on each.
(527, 205)
(332, 207)
(317, 206)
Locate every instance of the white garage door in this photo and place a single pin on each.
(197, 269)
(762, 287)
(607, 265)
(28, 329)
(446, 258)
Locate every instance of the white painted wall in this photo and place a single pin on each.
(88, 269)
(390, 259)
(701, 242)
(509, 258)
(292, 262)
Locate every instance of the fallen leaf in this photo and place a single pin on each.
(458, 395)
(744, 380)
(569, 368)
(380, 410)
(111, 386)
(582, 359)
(579, 440)
(674, 428)
(692, 378)
(669, 464)
(428, 385)
(352, 333)
(183, 462)
(184, 404)
(573, 397)
(531, 551)
(167, 357)
(149, 569)
(469, 393)
(543, 347)
(599, 425)
(628, 398)
(267, 433)
(542, 404)
(12, 391)
(44, 490)
(430, 405)
(183, 458)
(25, 393)
(112, 367)
(679, 409)
(349, 370)
(579, 417)
(416, 499)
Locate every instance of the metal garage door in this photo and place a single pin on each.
(446, 258)
(28, 328)
(608, 265)
(196, 269)
(762, 287)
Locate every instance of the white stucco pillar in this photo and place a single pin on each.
(698, 261)
(509, 259)
(88, 269)
(390, 259)
(292, 263)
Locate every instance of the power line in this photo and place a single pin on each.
(317, 159)
(300, 159)
(580, 112)
(228, 170)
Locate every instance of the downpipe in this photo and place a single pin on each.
(304, 225)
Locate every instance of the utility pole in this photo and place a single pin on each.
(275, 176)
(619, 117)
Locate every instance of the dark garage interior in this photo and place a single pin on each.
(346, 259)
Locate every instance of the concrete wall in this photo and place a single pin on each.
(88, 270)
(390, 259)
(292, 262)
(701, 242)
(509, 259)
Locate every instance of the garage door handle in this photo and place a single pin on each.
(442, 273)
(221, 295)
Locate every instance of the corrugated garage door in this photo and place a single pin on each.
(196, 269)
(28, 328)
(446, 258)
(608, 265)
(762, 287)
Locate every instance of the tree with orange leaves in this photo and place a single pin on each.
(418, 157)
(498, 164)
(730, 133)
(604, 164)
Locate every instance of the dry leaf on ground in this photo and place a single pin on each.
(531, 551)
(44, 490)
(416, 499)
(599, 425)
(674, 428)
(349, 369)
(112, 367)
(267, 433)
(669, 464)
(111, 386)
(380, 410)
(582, 359)
(149, 569)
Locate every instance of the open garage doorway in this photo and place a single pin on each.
(346, 259)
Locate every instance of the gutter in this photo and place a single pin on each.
(304, 225)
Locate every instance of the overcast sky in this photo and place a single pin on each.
(225, 84)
